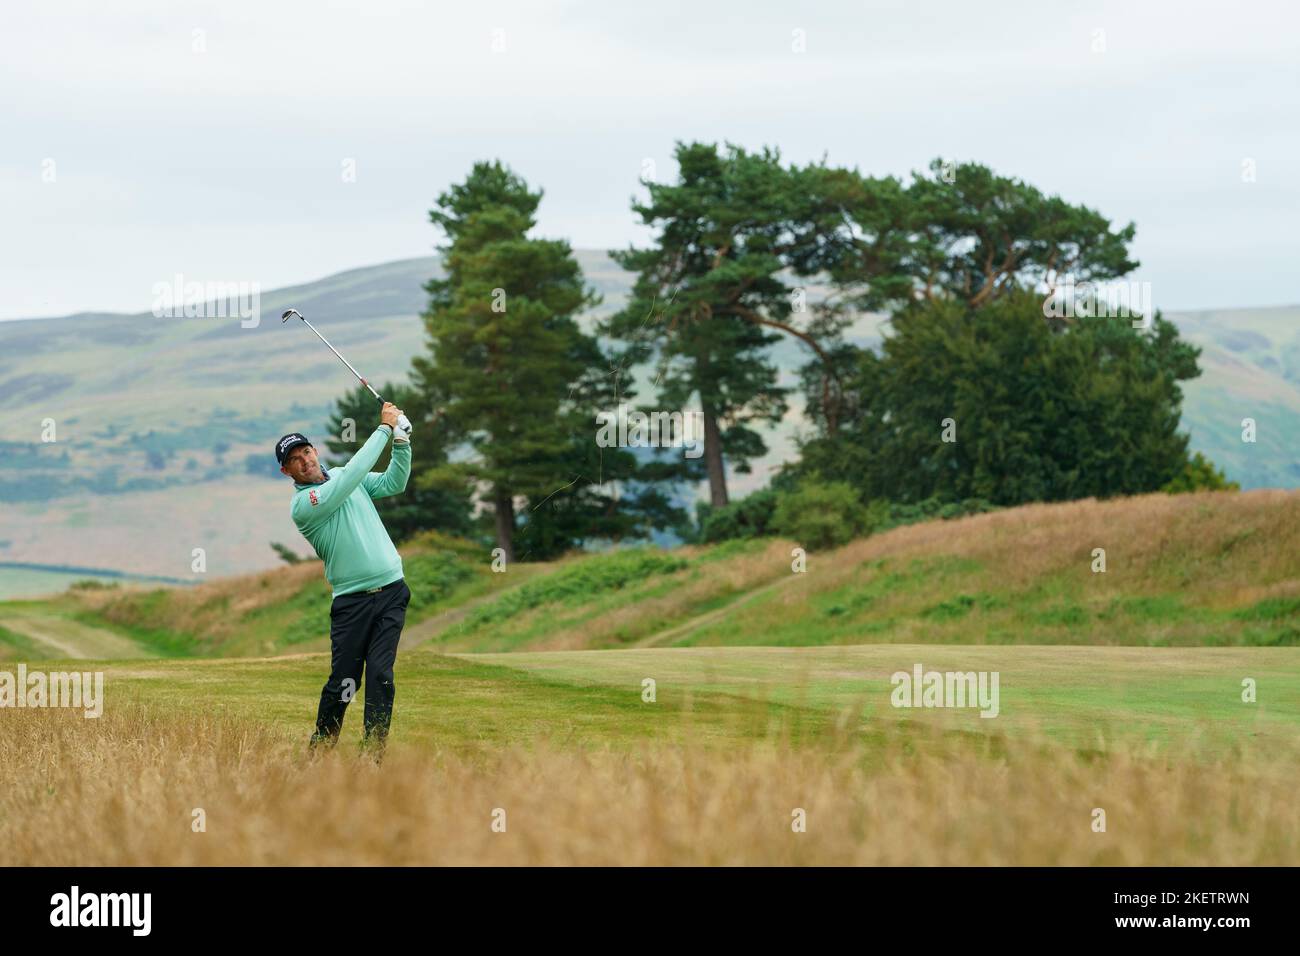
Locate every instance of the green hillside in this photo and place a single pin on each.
(1250, 364)
(1210, 570)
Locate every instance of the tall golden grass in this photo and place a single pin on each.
(121, 790)
(1225, 544)
(215, 610)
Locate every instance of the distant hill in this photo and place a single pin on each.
(1250, 368)
(165, 426)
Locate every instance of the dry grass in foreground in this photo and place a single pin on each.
(121, 790)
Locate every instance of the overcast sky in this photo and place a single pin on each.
(139, 140)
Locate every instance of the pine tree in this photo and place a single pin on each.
(710, 300)
(517, 380)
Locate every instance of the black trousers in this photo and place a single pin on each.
(364, 631)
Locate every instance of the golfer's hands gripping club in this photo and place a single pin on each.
(396, 419)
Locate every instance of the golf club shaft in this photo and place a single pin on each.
(402, 421)
(360, 377)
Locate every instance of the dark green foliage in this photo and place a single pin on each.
(582, 506)
(92, 584)
(753, 516)
(286, 555)
(311, 609)
(710, 296)
(1038, 413)
(579, 582)
(434, 576)
(518, 383)
(821, 515)
(750, 517)
(960, 606)
(962, 233)
(1199, 474)
(883, 515)
(1271, 609)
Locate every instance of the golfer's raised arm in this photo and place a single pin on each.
(393, 480)
(343, 480)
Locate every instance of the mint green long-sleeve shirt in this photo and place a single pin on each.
(339, 518)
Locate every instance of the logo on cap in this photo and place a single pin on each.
(287, 443)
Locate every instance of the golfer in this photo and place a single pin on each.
(334, 511)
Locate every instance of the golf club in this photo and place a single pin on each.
(402, 421)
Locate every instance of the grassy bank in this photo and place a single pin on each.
(1213, 570)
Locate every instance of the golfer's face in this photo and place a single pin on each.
(303, 466)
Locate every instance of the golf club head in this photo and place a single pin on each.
(288, 312)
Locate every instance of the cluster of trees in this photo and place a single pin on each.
(977, 394)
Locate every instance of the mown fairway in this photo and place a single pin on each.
(1077, 696)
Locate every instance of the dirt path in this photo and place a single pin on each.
(660, 638)
(63, 637)
(431, 627)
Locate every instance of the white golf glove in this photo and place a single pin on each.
(402, 433)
